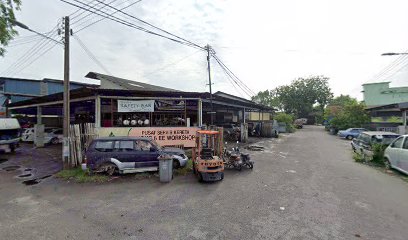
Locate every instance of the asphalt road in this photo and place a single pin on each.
(304, 186)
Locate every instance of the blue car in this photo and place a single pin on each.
(350, 133)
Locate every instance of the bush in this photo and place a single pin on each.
(287, 119)
(378, 150)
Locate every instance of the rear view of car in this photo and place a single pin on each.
(364, 143)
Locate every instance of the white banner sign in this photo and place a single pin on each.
(136, 106)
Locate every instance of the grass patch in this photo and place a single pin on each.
(80, 176)
(358, 157)
(186, 170)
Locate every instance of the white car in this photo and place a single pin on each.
(51, 135)
(396, 154)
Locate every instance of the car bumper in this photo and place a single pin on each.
(182, 160)
(212, 177)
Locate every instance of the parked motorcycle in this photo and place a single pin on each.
(236, 159)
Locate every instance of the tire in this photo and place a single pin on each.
(54, 141)
(251, 166)
(111, 168)
(238, 167)
(200, 177)
(176, 164)
(349, 137)
(387, 164)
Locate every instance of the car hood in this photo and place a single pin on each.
(173, 150)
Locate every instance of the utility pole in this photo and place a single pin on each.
(65, 146)
(208, 48)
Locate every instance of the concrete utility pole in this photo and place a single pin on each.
(65, 146)
(208, 48)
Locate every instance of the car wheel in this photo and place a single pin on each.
(109, 168)
(176, 164)
(349, 137)
(54, 141)
(387, 164)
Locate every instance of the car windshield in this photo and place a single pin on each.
(387, 139)
(156, 145)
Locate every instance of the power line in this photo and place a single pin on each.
(78, 20)
(171, 64)
(231, 76)
(238, 81)
(103, 18)
(35, 59)
(31, 52)
(91, 55)
(400, 60)
(149, 24)
(126, 23)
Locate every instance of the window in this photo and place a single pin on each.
(125, 146)
(104, 146)
(398, 143)
(405, 146)
(143, 145)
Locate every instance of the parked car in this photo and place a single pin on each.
(129, 155)
(350, 133)
(51, 135)
(10, 132)
(363, 144)
(396, 154)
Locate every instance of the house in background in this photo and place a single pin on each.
(387, 106)
(378, 94)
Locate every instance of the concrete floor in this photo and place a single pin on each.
(304, 186)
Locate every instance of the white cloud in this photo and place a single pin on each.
(266, 43)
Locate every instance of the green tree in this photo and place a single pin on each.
(7, 19)
(352, 114)
(268, 98)
(303, 94)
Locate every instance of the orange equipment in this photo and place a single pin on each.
(207, 161)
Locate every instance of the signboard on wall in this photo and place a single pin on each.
(164, 136)
(135, 106)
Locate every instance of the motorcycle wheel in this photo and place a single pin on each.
(251, 165)
(238, 167)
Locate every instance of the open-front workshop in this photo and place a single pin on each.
(120, 107)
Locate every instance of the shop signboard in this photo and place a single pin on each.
(164, 136)
(135, 105)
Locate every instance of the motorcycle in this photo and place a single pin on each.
(236, 159)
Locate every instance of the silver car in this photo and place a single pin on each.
(396, 154)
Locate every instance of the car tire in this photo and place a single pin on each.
(387, 164)
(349, 137)
(111, 168)
(54, 141)
(176, 164)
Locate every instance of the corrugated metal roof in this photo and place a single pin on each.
(128, 84)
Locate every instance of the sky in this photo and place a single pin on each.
(265, 43)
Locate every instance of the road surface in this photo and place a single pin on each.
(304, 186)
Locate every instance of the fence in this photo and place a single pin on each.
(81, 135)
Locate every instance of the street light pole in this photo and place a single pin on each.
(393, 54)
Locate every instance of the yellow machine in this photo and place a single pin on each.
(208, 164)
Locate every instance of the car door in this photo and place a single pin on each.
(127, 153)
(403, 158)
(149, 152)
(395, 151)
